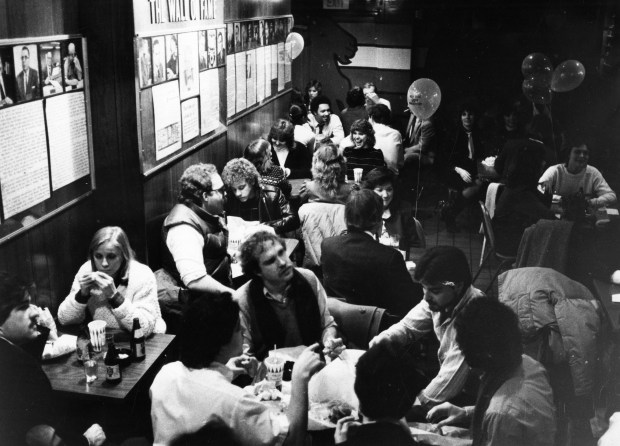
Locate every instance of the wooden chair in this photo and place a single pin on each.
(491, 253)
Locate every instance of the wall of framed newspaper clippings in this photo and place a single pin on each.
(258, 64)
(180, 56)
(45, 130)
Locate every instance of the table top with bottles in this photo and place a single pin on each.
(67, 377)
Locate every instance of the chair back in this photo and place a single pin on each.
(487, 227)
(357, 323)
(154, 242)
(319, 221)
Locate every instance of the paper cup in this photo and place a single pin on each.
(275, 370)
(357, 174)
(97, 334)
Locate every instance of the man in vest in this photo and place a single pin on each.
(282, 305)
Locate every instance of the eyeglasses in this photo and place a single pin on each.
(25, 57)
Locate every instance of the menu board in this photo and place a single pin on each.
(45, 142)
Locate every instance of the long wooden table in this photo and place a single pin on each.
(66, 373)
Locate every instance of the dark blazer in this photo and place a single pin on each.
(298, 160)
(365, 272)
(32, 89)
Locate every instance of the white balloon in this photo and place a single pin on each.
(297, 44)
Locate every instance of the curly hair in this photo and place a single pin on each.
(196, 179)
(251, 249)
(365, 127)
(320, 99)
(240, 169)
(282, 130)
(329, 168)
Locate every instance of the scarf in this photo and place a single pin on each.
(306, 313)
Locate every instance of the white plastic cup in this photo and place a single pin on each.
(97, 334)
(357, 174)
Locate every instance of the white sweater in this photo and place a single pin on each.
(560, 181)
(140, 301)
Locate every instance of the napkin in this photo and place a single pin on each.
(63, 345)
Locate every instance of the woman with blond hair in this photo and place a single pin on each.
(113, 286)
(328, 183)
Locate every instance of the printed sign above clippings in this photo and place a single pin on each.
(166, 16)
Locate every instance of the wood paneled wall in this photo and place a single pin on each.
(49, 255)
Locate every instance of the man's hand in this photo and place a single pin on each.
(308, 363)
(412, 152)
(243, 365)
(463, 174)
(343, 427)
(333, 347)
(95, 435)
(446, 414)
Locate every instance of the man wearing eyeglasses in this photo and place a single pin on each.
(27, 79)
(195, 242)
(444, 274)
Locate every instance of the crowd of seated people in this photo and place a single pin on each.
(224, 333)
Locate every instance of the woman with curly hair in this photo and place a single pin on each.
(259, 152)
(253, 201)
(290, 155)
(328, 177)
(361, 152)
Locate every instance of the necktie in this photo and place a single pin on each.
(470, 145)
(26, 82)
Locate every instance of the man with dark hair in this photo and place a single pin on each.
(28, 413)
(372, 96)
(515, 401)
(355, 109)
(282, 305)
(329, 127)
(386, 385)
(195, 239)
(27, 79)
(388, 140)
(361, 270)
(444, 274)
(196, 392)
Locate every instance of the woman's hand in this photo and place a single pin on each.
(105, 283)
(446, 414)
(342, 428)
(86, 282)
(463, 174)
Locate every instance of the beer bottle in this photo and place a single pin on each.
(138, 349)
(112, 365)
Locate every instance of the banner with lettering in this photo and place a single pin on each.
(163, 16)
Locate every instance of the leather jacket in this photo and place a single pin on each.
(269, 206)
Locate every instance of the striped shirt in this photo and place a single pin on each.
(366, 159)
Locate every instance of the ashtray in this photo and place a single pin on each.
(124, 356)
